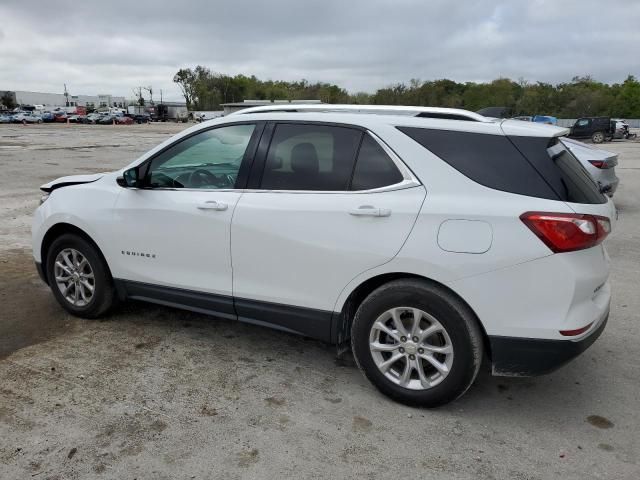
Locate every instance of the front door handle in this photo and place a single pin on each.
(213, 205)
(370, 211)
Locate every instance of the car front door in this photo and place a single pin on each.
(582, 128)
(175, 230)
(329, 203)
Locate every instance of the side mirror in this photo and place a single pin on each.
(129, 178)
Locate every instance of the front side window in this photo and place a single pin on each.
(310, 157)
(583, 123)
(209, 159)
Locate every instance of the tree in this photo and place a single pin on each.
(204, 89)
(7, 100)
(185, 78)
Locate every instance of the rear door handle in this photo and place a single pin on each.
(213, 205)
(370, 211)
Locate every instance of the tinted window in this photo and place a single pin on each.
(374, 168)
(310, 157)
(491, 160)
(210, 159)
(564, 172)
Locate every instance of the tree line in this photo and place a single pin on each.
(204, 89)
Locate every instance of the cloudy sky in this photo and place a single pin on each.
(111, 47)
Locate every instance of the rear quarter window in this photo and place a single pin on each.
(490, 160)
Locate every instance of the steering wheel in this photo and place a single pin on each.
(201, 177)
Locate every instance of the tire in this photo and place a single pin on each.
(456, 328)
(597, 137)
(103, 296)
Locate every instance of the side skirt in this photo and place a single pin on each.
(299, 320)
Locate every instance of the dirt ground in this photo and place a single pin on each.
(156, 393)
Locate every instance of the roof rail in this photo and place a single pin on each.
(427, 112)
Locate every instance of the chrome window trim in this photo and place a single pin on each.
(409, 179)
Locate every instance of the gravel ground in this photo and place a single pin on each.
(157, 393)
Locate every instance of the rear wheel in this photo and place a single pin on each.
(79, 278)
(417, 343)
(597, 137)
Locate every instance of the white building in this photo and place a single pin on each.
(54, 100)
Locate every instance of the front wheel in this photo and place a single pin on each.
(79, 277)
(417, 343)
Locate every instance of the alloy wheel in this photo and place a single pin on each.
(74, 277)
(411, 348)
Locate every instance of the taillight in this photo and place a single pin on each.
(603, 164)
(567, 232)
(577, 331)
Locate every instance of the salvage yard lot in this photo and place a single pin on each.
(153, 392)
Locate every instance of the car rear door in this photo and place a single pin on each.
(325, 203)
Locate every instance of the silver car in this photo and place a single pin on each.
(599, 163)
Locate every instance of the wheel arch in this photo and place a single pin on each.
(63, 228)
(341, 329)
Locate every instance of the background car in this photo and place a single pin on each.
(60, 117)
(93, 117)
(124, 120)
(27, 117)
(106, 120)
(599, 163)
(4, 118)
(598, 129)
(47, 117)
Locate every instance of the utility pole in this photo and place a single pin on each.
(150, 90)
(66, 96)
(160, 96)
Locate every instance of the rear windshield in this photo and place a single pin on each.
(532, 166)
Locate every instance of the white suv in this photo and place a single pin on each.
(428, 243)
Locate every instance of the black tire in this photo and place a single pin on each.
(598, 137)
(104, 295)
(454, 315)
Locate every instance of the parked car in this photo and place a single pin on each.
(124, 120)
(93, 117)
(75, 118)
(26, 117)
(426, 243)
(106, 120)
(47, 117)
(141, 117)
(4, 118)
(547, 119)
(60, 117)
(599, 163)
(598, 129)
(621, 130)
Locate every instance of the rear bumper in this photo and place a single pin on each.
(528, 357)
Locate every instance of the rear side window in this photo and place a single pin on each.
(561, 169)
(374, 168)
(490, 160)
(310, 157)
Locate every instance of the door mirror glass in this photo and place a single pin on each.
(129, 178)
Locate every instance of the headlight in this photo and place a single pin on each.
(44, 197)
